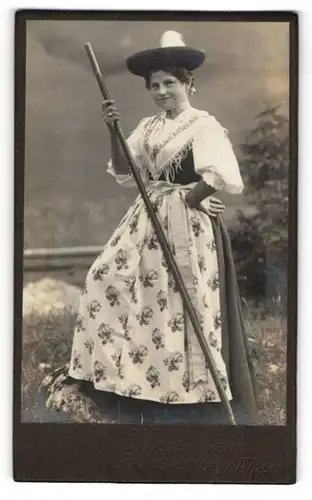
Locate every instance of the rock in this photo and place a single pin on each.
(48, 296)
(64, 396)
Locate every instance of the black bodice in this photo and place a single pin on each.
(186, 174)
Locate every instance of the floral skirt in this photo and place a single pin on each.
(132, 335)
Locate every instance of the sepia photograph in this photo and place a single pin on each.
(156, 222)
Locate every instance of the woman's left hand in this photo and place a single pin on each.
(214, 207)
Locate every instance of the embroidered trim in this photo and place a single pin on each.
(147, 129)
(153, 151)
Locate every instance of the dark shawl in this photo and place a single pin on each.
(234, 339)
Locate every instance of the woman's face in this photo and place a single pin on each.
(167, 90)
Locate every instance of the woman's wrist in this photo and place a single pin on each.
(118, 160)
(199, 193)
(121, 169)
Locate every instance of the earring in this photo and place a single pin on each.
(192, 90)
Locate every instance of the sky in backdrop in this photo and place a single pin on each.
(67, 143)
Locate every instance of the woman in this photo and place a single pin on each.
(132, 336)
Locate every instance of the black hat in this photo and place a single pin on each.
(172, 52)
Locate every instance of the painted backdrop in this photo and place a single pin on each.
(69, 197)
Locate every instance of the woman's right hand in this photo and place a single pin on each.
(110, 113)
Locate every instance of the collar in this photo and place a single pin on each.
(168, 114)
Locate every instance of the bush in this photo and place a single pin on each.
(260, 241)
(249, 255)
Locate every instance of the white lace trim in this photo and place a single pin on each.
(174, 165)
(153, 125)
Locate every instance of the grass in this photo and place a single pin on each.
(46, 339)
(47, 344)
(267, 334)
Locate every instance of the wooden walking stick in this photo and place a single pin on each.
(164, 245)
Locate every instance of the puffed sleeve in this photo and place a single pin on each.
(134, 143)
(214, 158)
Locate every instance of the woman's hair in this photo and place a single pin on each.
(181, 74)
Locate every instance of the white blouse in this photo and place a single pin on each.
(159, 144)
